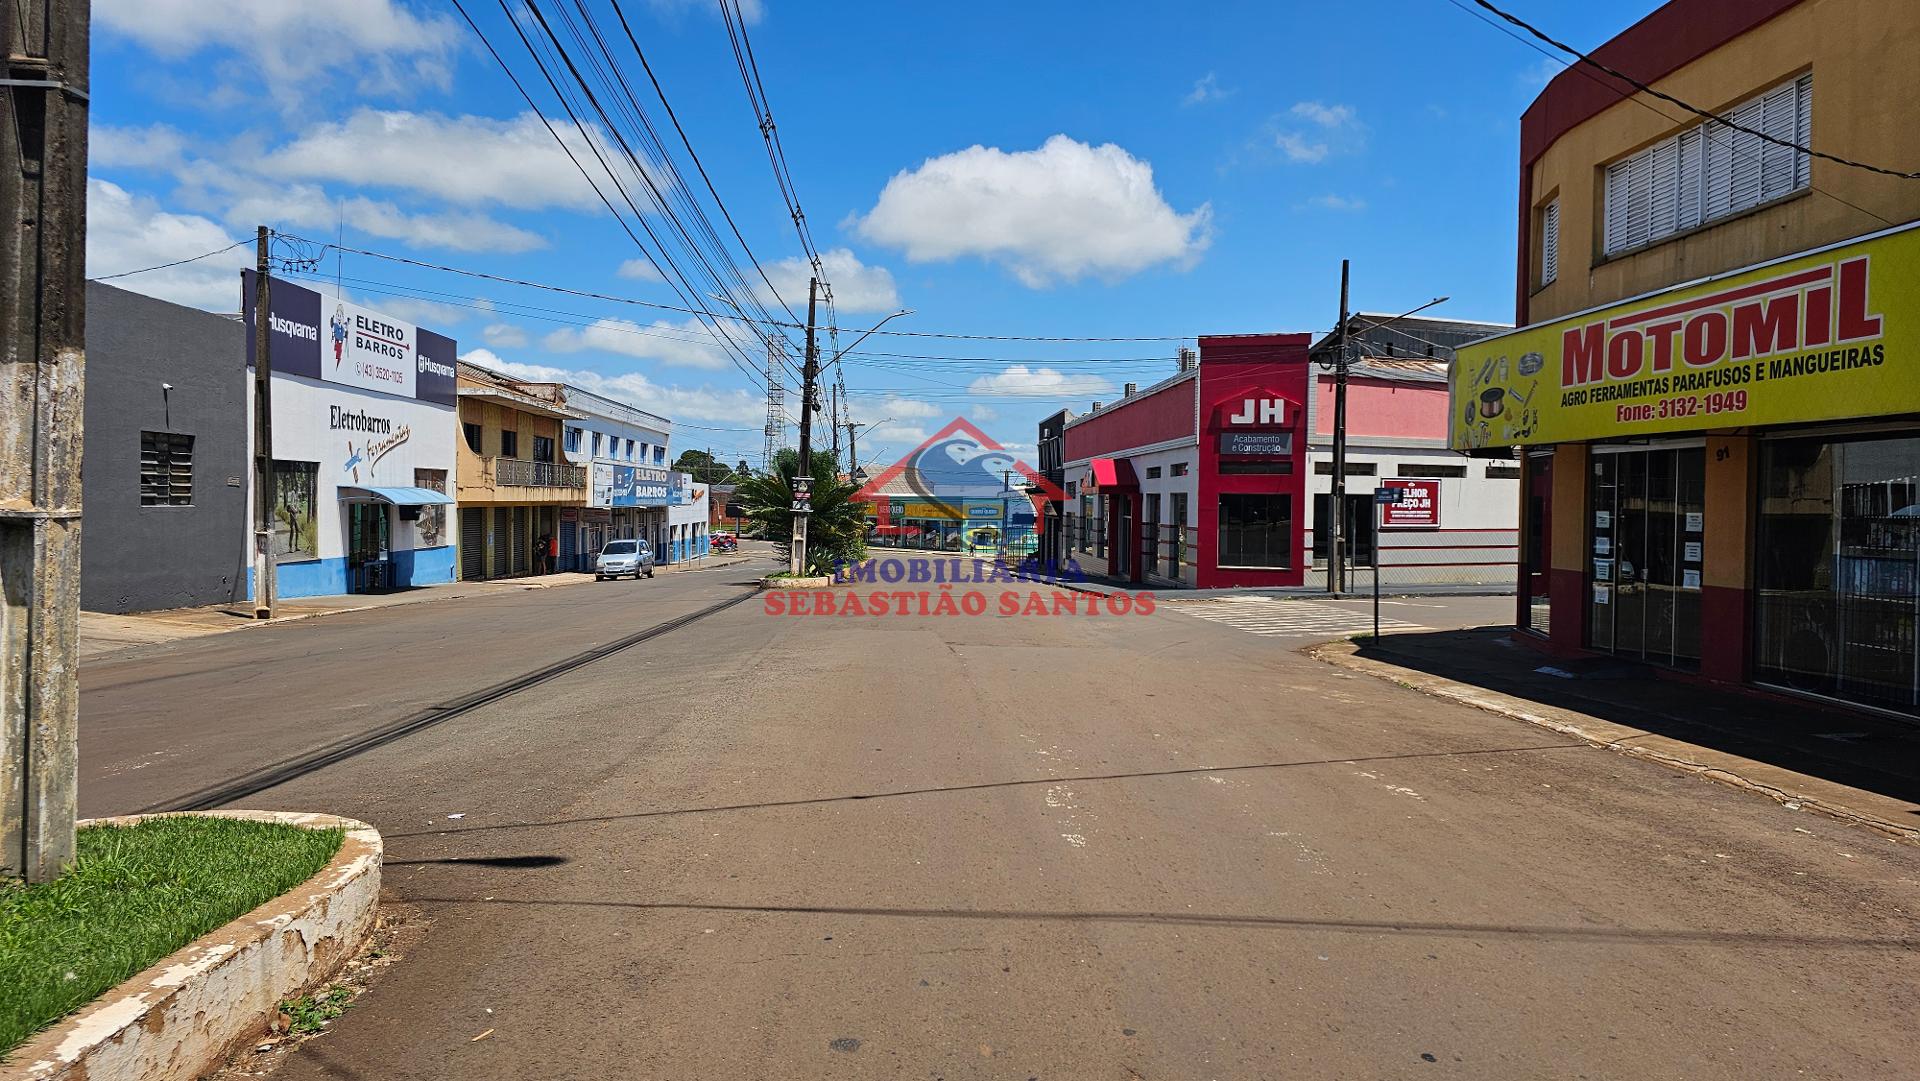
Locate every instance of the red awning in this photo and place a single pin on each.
(1113, 473)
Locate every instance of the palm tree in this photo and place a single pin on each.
(837, 528)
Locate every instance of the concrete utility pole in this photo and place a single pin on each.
(853, 450)
(266, 583)
(1337, 550)
(43, 291)
(803, 472)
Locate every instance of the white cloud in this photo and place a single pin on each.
(295, 46)
(156, 147)
(983, 413)
(466, 159)
(868, 410)
(640, 270)
(686, 344)
(1537, 75)
(703, 403)
(900, 433)
(1206, 88)
(1020, 381)
(130, 232)
(1058, 213)
(1313, 131)
(504, 335)
(1331, 201)
(857, 287)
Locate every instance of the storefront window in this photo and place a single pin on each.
(296, 533)
(1256, 530)
(1645, 554)
(1536, 542)
(1837, 571)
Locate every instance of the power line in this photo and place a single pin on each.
(175, 263)
(1688, 106)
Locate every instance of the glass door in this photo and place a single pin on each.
(1644, 555)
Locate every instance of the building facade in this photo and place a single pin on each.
(1047, 447)
(688, 516)
(624, 451)
(515, 490)
(363, 446)
(1221, 475)
(1716, 385)
(164, 480)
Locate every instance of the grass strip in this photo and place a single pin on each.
(133, 895)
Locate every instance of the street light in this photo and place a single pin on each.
(1337, 554)
(863, 337)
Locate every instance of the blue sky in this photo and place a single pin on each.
(1110, 170)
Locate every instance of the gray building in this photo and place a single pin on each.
(164, 477)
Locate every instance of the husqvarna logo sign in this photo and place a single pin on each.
(1259, 412)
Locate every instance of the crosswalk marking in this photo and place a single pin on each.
(1273, 617)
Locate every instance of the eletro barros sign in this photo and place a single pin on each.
(344, 343)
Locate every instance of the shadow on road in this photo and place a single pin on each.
(1617, 936)
(1075, 778)
(1833, 743)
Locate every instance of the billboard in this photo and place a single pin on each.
(1826, 335)
(332, 340)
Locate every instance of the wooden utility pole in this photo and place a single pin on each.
(803, 471)
(1337, 550)
(43, 203)
(266, 584)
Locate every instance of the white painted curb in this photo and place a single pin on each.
(184, 1015)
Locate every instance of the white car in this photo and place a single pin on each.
(623, 557)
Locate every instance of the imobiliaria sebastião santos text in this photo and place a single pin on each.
(947, 600)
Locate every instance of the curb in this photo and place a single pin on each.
(1344, 654)
(186, 1013)
(772, 582)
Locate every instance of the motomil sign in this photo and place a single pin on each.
(1827, 335)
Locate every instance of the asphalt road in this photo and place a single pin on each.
(1160, 846)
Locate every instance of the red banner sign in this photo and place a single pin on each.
(1417, 508)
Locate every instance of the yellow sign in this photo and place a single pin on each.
(1824, 336)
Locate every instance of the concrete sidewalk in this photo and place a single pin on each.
(106, 632)
(1848, 764)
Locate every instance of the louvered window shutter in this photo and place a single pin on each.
(1550, 243)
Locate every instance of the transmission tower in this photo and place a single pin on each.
(776, 405)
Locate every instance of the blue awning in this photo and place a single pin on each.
(399, 497)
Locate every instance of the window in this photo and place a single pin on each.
(472, 434)
(1434, 470)
(1153, 472)
(573, 440)
(542, 448)
(1232, 468)
(596, 444)
(1502, 471)
(1550, 243)
(1256, 531)
(1354, 469)
(1711, 170)
(629, 450)
(296, 532)
(659, 456)
(430, 519)
(166, 469)
(509, 443)
(1073, 489)
(1179, 469)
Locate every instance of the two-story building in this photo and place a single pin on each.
(511, 482)
(1715, 383)
(629, 486)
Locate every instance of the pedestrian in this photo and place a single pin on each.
(553, 553)
(540, 559)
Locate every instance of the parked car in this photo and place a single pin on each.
(725, 542)
(624, 557)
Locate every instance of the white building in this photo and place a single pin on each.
(629, 489)
(364, 423)
(687, 518)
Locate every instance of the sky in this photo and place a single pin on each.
(1078, 170)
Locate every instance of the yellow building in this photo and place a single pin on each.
(511, 480)
(1716, 373)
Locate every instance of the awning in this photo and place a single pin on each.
(399, 497)
(1113, 473)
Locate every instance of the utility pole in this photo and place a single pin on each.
(43, 201)
(803, 471)
(266, 584)
(1337, 552)
(853, 450)
(833, 423)
(776, 405)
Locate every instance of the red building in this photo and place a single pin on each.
(1226, 434)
